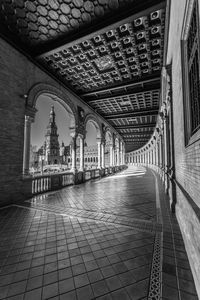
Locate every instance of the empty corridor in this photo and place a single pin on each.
(112, 238)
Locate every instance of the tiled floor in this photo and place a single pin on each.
(105, 239)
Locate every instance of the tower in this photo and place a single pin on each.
(52, 155)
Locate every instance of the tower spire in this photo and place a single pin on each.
(52, 115)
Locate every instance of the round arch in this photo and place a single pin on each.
(55, 94)
(108, 135)
(90, 118)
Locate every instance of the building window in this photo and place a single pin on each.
(191, 71)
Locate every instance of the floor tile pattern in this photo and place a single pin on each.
(99, 240)
(131, 198)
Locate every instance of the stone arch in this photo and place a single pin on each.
(117, 141)
(91, 118)
(109, 134)
(56, 94)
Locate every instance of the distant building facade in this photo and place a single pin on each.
(52, 153)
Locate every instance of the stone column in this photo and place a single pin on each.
(123, 155)
(157, 153)
(103, 155)
(81, 137)
(73, 153)
(111, 155)
(114, 158)
(166, 150)
(27, 144)
(118, 156)
(99, 153)
(161, 151)
(120, 153)
(155, 160)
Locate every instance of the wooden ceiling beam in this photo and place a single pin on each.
(128, 134)
(144, 90)
(139, 84)
(136, 114)
(135, 126)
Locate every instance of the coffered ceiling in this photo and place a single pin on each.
(108, 52)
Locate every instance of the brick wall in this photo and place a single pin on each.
(17, 76)
(187, 159)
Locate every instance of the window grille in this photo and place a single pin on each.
(193, 70)
(191, 65)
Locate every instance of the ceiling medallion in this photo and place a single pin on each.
(104, 63)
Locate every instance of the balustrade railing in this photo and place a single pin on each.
(41, 184)
(67, 179)
(87, 175)
(50, 182)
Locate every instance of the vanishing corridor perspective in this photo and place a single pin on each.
(100, 149)
(112, 238)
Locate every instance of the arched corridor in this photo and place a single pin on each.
(100, 149)
(106, 239)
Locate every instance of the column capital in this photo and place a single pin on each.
(81, 136)
(29, 119)
(30, 112)
(99, 140)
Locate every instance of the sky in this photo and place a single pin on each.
(38, 129)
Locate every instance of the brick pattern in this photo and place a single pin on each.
(187, 159)
(18, 75)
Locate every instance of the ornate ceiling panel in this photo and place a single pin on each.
(108, 52)
(39, 21)
(123, 54)
(126, 103)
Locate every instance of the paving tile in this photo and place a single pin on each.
(120, 294)
(17, 297)
(78, 269)
(69, 296)
(95, 276)
(100, 288)
(91, 265)
(50, 290)
(138, 290)
(120, 268)
(170, 293)
(106, 297)
(81, 280)
(85, 293)
(187, 296)
(66, 285)
(50, 278)
(187, 286)
(34, 294)
(65, 273)
(36, 271)
(169, 280)
(108, 271)
(6, 279)
(34, 283)
(3, 291)
(17, 288)
(113, 283)
(95, 254)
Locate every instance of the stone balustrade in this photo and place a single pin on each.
(51, 182)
